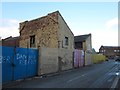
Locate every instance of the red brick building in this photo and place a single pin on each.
(110, 51)
(10, 41)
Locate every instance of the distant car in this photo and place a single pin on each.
(106, 59)
(117, 58)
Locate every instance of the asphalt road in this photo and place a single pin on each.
(101, 75)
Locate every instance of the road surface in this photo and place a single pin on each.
(101, 75)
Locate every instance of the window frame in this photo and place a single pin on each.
(66, 41)
(32, 41)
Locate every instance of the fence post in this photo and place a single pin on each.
(27, 59)
(84, 58)
(13, 63)
(38, 62)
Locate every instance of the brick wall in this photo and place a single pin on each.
(45, 30)
(10, 41)
(50, 32)
(66, 51)
(110, 51)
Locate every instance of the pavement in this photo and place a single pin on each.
(103, 75)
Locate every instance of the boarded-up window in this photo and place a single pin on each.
(32, 41)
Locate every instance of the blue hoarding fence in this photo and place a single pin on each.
(18, 63)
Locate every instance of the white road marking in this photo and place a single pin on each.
(75, 78)
(110, 80)
(115, 82)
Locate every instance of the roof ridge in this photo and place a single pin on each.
(40, 17)
(84, 35)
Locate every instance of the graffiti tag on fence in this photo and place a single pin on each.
(5, 59)
(22, 58)
(25, 59)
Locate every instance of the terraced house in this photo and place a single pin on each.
(110, 51)
(54, 39)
